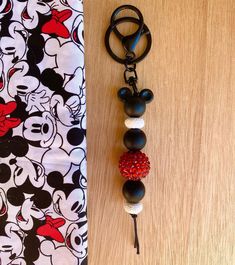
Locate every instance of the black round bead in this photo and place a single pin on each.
(147, 95)
(133, 191)
(135, 106)
(134, 139)
(124, 93)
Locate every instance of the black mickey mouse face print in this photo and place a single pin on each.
(33, 12)
(66, 111)
(65, 197)
(22, 79)
(14, 43)
(77, 79)
(11, 243)
(3, 203)
(65, 105)
(76, 5)
(31, 213)
(77, 33)
(77, 157)
(40, 129)
(64, 55)
(67, 204)
(28, 213)
(5, 7)
(2, 77)
(5, 171)
(58, 255)
(28, 173)
(76, 239)
(30, 216)
(10, 148)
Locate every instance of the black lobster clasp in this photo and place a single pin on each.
(129, 42)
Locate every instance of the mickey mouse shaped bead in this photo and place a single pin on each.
(135, 103)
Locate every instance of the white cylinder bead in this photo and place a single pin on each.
(133, 208)
(134, 123)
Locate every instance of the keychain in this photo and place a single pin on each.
(133, 164)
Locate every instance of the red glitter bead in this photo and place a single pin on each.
(134, 165)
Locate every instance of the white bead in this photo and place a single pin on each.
(133, 208)
(134, 123)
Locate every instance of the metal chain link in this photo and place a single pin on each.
(131, 77)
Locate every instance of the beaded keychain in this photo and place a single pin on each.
(134, 164)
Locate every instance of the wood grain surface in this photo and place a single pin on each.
(189, 207)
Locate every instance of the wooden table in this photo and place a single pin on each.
(189, 207)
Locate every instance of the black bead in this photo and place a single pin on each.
(124, 93)
(135, 106)
(134, 139)
(147, 95)
(133, 191)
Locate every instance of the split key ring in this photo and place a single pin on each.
(129, 42)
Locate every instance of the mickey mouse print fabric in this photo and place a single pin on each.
(43, 197)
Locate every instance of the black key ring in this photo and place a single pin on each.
(129, 42)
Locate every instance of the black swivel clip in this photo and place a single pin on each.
(129, 42)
